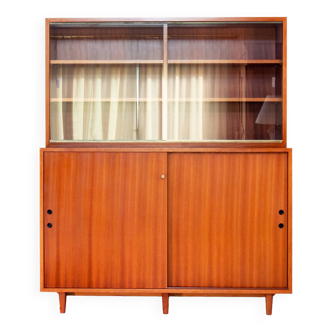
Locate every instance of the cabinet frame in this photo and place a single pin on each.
(173, 290)
(166, 144)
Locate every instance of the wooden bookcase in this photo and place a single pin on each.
(166, 170)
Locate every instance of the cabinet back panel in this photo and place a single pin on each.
(116, 43)
(223, 217)
(108, 220)
(242, 41)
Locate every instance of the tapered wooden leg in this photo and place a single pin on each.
(268, 302)
(165, 303)
(62, 299)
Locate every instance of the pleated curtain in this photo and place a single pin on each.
(192, 113)
(99, 103)
(94, 103)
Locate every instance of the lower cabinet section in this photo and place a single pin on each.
(166, 223)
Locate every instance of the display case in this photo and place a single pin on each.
(166, 170)
(198, 82)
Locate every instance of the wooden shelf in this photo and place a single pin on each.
(184, 100)
(133, 100)
(104, 62)
(226, 62)
(227, 100)
(115, 62)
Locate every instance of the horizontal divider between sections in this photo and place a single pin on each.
(171, 150)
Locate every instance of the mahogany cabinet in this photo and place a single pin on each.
(166, 170)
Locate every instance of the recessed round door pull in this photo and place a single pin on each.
(49, 225)
(281, 225)
(281, 212)
(49, 211)
(163, 176)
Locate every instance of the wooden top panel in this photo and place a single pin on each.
(170, 19)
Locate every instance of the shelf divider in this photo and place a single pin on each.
(164, 85)
(182, 100)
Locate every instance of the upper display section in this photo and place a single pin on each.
(167, 82)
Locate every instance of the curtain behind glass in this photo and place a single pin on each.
(99, 103)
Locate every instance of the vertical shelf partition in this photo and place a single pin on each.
(165, 83)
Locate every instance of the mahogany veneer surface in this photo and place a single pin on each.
(223, 217)
(108, 220)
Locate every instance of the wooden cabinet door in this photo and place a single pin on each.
(109, 220)
(223, 220)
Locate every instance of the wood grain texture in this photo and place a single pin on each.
(223, 220)
(80, 45)
(222, 42)
(108, 220)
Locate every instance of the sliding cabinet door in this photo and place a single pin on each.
(227, 220)
(105, 220)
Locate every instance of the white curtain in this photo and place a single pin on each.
(94, 103)
(191, 114)
(56, 111)
(98, 103)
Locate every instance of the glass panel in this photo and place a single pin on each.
(108, 82)
(105, 82)
(225, 82)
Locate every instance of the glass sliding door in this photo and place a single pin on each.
(225, 82)
(105, 82)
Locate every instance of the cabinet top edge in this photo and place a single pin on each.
(168, 19)
(179, 150)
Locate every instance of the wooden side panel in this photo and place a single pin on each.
(223, 217)
(108, 220)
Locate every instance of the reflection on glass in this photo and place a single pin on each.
(219, 77)
(271, 115)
